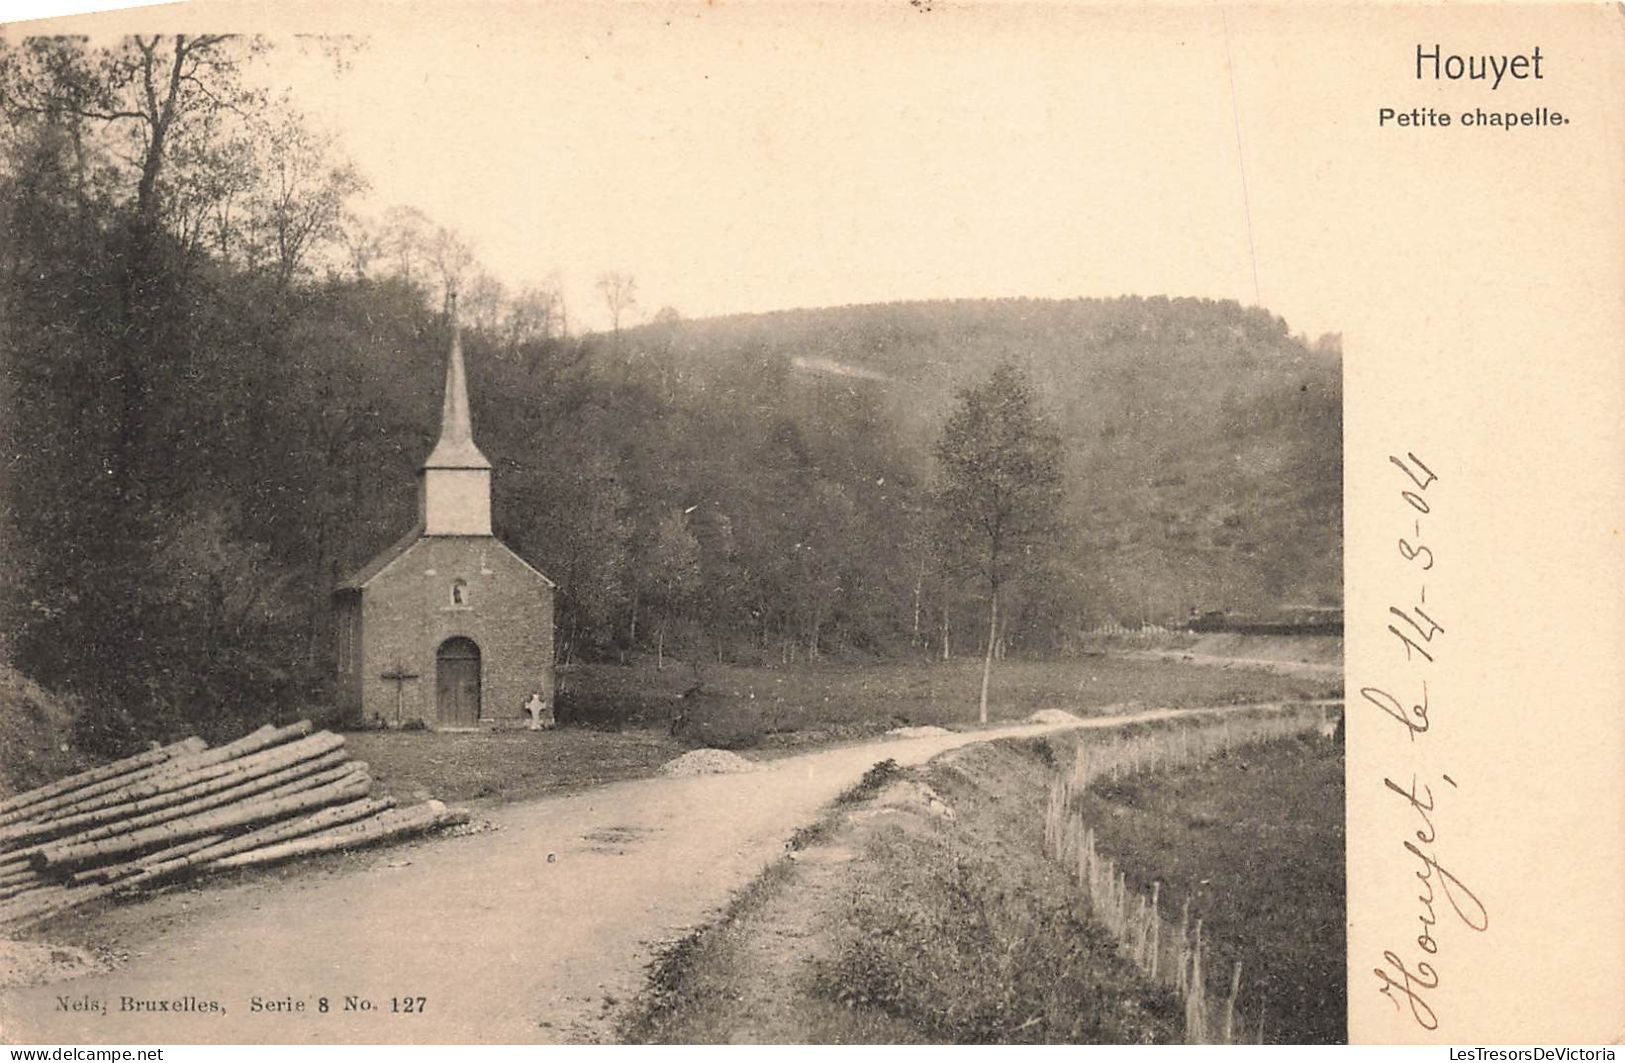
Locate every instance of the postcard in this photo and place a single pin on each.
(905, 522)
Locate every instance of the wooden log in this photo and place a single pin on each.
(15, 874)
(347, 829)
(340, 783)
(65, 804)
(350, 773)
(111, 872)
(102, 822)
(261, 738)
(106, 778)
(207, 766)
(19, 879)
(353, 774)
(18, 907)
(287, 749)
(177, 787)
(384, 826)
(53, 906)
(173, 804)
(320, 821)
(57, 857)
(346, 771)
(102, 772)
(23, 888)
(264, 737)
(277, 832)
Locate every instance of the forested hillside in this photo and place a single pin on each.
(1205, 441)
(216, 382)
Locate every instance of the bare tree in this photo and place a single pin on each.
(452, 256)
(364, 243)
(482, 300)
(304, 194)
(404, 239)
(537, 313)
(620, 292)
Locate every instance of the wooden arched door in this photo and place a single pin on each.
(457, 683)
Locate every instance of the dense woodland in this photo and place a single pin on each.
(217, 378)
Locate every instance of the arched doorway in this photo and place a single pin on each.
(457, 683)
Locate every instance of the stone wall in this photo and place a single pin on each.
(408, 612)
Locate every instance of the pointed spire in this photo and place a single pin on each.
(456, 449)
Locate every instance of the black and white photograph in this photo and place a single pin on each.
(698, 523)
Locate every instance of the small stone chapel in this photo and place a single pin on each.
(448, 628)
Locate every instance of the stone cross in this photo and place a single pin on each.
(537, 708)
(400, 675)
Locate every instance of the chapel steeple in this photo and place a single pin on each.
(454, 495)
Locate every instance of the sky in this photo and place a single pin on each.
(750, 156)
(757, 157)
(746, 156)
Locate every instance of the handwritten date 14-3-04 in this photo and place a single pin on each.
(1413, 625)
(1410, 982)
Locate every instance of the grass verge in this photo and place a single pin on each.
(1254, 840)
(923, 908)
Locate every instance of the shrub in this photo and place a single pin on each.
(881, 773)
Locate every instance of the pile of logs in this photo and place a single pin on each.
(186, 809)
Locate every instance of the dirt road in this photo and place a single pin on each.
(530, 933)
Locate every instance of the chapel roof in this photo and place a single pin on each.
(364, 575)
(455, 448)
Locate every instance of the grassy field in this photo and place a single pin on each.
(615, 722)
(1286, 649)
(494, 766)
(895, 923)
(1255, 840)
(737, 707)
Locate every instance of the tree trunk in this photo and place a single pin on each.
(169, 862)
(85, 796)
(314, 614)
(263, 738)
(106, 773)
(987, 659)
(919, 585)
(55, 857)
(392, 824)
(111, 872)
(660, 647)
(198, 781)
(174, 804)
